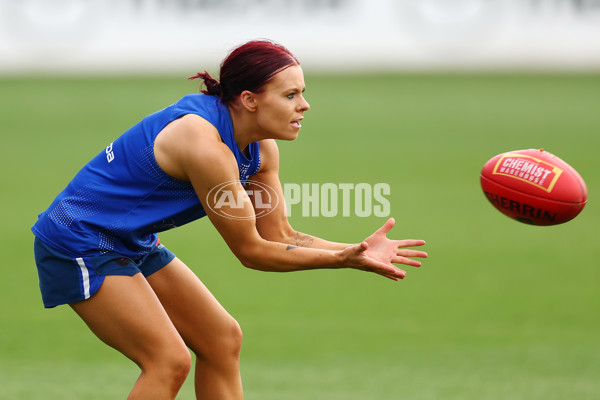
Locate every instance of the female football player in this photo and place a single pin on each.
(97, 247)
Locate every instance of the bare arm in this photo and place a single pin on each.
(190, 149)
(275, 226)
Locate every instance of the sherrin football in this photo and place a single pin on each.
(534, 187)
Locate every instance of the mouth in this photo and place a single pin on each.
(296, 123)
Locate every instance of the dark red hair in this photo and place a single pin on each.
(248, 67)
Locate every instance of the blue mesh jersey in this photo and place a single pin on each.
(122, 198)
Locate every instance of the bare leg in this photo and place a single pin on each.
(126, 314)
(212, 334)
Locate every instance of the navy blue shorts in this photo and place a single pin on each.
(65, 279)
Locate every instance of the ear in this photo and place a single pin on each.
(248, 100)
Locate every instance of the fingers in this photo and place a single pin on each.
(395, 275)
(389, 224)
(390, 271)
(411, 253)
(360, 248)
(387, 270)
(406, 261)
(402, 254)
(409, 243)
(401, 257)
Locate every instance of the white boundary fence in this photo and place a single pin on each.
(155, 36)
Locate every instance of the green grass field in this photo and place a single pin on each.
(500, 310)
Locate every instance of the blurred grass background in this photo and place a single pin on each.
(499, 310)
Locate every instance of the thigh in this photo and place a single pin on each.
(126, 314)
(196, 313)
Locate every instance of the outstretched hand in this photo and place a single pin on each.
(378, 254)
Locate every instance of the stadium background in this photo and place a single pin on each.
(417, 94)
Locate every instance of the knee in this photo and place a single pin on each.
(172, 366)
(229, 341)
(235, 338)
(224, 345)
(180, 365)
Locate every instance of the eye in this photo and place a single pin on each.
(291, 96)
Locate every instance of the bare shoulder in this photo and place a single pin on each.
(190, 128)
(190, 142)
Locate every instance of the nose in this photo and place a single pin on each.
(304, 106)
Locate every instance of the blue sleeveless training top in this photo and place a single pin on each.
(122, 198)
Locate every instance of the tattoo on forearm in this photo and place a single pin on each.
(302, 240)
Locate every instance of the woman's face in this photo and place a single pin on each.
(281, 104)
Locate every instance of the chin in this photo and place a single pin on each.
(288, 136)
(293, 136)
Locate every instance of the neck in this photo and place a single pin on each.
(244, 128)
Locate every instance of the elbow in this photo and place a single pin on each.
(249, 256)
(248, 262)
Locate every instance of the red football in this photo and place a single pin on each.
(533, 187)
